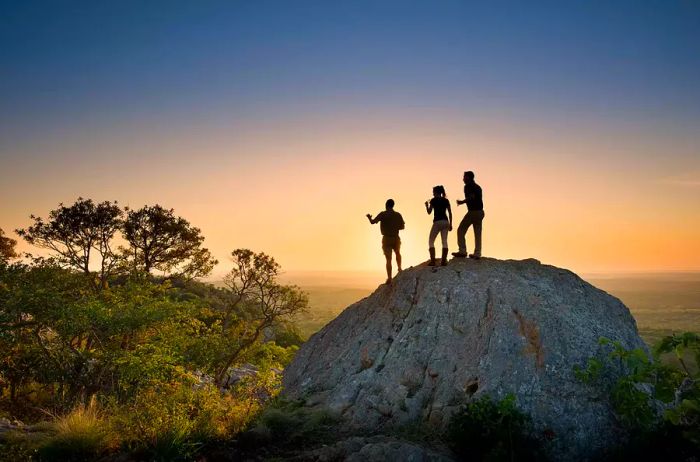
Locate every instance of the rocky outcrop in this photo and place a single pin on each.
(418, 349)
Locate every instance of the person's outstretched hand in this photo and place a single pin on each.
(459, 202)
(369, 216)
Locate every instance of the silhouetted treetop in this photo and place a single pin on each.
(7, 247)
(159, 240)
(73, 232)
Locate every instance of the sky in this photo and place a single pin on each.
(277, 125)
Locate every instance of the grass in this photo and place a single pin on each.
(290, 425)
(82, 434)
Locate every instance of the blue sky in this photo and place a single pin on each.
(65, 63)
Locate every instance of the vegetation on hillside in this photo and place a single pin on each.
(99, 354)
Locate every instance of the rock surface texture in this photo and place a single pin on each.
(423, 346)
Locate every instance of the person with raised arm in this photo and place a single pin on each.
(391, 222)
(442, 222)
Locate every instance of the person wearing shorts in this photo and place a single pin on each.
(390, 223)
(440, 207)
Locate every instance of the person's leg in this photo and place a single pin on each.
(462, 236)
(397, 250)
(477, 234)
(386, 248)
(443, 236)
(434, 230)
(444, 229)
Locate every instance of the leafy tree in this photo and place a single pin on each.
(7, 247)
(257, 302)
(75, 233)
(32, 301)
(159, 240)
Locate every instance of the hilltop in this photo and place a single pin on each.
(418, 349)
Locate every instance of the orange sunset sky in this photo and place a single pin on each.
(587, 150)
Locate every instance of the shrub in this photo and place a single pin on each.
(659, 404)
(487, 430)
(291, 424)
(168, 421)
(80, 435)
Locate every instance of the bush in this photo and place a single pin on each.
(657, 403)
(291, 424)
(82, 434)
(488, 430)
(170, 421)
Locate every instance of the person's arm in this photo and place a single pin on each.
(466, 196)
(374, 220)
(403, 224)
(449, 214)
(429, 207)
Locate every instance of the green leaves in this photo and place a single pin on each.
(159, 240)
(75, 233)
(7, 247)
(644, 385)
(484, 429)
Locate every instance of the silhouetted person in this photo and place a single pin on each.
(474, 216)
(390, 224)
(441, 224)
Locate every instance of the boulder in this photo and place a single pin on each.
(416, 350)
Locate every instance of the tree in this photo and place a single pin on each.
(159, 240)
(7, 247)
(73, 233)
(257, 303)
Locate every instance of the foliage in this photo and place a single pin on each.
(159, 240)
(655, 401)
(76, 232)
(82, 434)
(623, 374)
(685, 414)
(82, 237)
(256, 302)
(484, 429)
(127, 361)
(142, 350)
(7, 247)
(290, 424)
